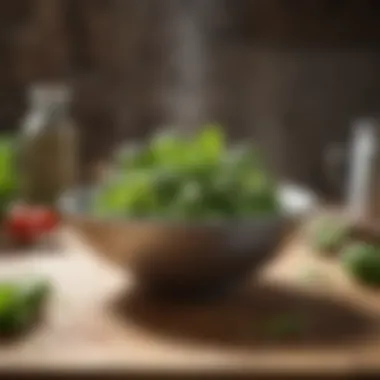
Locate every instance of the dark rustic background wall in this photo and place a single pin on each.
(290, 73)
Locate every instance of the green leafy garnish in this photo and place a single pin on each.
(188, 178)
(20, 305)
(8, 173)
(362, 261)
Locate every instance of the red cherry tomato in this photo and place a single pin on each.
(25, 224)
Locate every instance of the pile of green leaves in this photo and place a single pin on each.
(176, 177)
(8, 172)
(20, 305)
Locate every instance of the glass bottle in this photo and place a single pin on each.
(49, 146)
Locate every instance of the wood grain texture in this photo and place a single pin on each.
(96, 322)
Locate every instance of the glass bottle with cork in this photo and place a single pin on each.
(49, 146)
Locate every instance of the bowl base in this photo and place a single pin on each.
(185, 294)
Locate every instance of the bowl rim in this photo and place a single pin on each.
(74, 204)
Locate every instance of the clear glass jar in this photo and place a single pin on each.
(49, 145)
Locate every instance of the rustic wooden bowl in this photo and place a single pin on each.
(188, 259)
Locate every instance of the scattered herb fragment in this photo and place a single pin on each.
(329, 234)
(314, 276)
(286, 326)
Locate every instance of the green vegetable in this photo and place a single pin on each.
(12, 313)
(20, 304)
(36, 294)
(362, 261)
(8, 173)
(188, 178)
(329, 234)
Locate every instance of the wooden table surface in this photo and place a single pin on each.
(95, 322)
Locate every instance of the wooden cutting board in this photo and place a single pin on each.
(96, 322)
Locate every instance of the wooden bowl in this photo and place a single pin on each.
(186, 259)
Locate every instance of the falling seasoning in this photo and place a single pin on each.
(49, 146)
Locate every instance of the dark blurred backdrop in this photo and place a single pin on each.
(291, 74)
